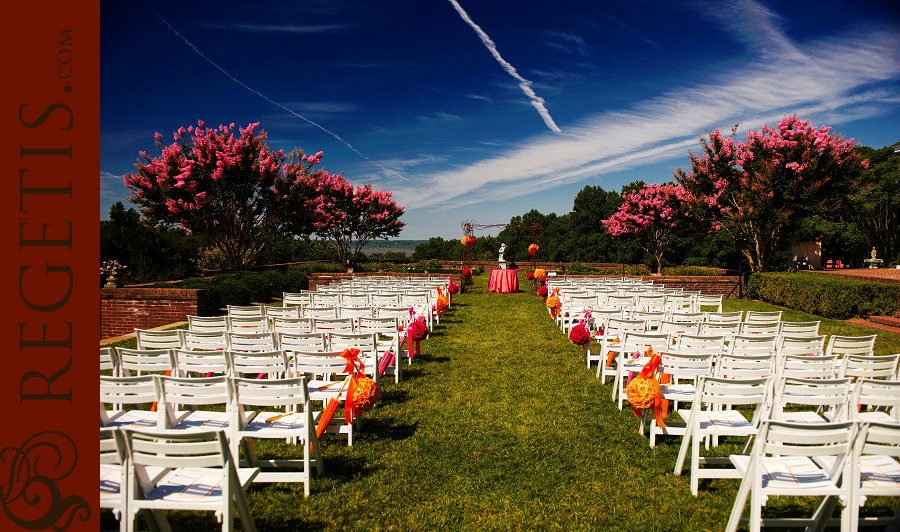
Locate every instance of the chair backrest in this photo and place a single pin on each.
(201, 363)
(801, 345)
(169, 339)
(733, 391)
(319, 312)
(241, 323)
(141, 361)
(274, 364)
(252, 341)
(620, 302)
(385, 300)
(728, 330)
(295, 325)
(298, 299)
(831, 393)
(769, 328)
(653, 319)
(704, 300)
(680, 303)
(245, 310)
(755, 316)
(290, 393)
(191, 391)
(356, 312)
(401, 313)
(616, 328)
(688, 317)
(600, 317)
(109, 361)
(652, 303)
(178, 449)
(207, 323)
(321, 298)
(687, 365)
(812, 440)
(745, 366)
(204, 340)
(800, 328)
(328, 365)
(699, 344)
(851, 345)
(356, 299)
(724, 317)
(808, 367)
(139, 390)
(678, 328)
(306, 342)
(869, 367)
(753, 344)
(282, 312)
(367, 344)
(329, 325)
(635, 342)
(883, 396)
(386, 326)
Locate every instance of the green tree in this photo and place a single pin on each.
(875, 205)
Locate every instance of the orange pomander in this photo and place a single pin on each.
(540, 274)
(642, 392)
(533, 249)
(553, 301)
(366, 394)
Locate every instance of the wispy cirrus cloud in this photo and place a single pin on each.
(823, 81)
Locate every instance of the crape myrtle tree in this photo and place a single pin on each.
(233, 189)
(777, 177)
(652, 213)
(349, 217)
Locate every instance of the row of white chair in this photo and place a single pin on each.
(353, 319)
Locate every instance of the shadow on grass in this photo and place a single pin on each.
(389, 429)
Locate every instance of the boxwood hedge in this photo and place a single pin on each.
(825, 295)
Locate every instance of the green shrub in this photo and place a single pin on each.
(295, 280)
(824, 295)
(276, 282)
(577, 267)
(231, 291)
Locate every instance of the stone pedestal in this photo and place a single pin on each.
(501, 265)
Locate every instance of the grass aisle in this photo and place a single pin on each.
(498, 426)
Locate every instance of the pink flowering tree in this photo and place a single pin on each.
(350, 216)
(651, 213)
(232, 189)
(760, 187)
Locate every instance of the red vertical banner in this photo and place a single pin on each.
(50, 249)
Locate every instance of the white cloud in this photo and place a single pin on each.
(830, 80)
(276, 28)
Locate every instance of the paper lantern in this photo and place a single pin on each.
(533, 249)
(540, 274)
(366, 394)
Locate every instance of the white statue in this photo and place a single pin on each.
(502, 250)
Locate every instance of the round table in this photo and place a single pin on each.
(504, 281)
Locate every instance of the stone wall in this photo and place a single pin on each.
(122, 310)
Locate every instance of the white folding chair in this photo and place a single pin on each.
(204, 340)
(302, 342)
(201, 475)
(332, 325)
(201, 363)
(869, 367)
(248, 324)
(766, 328)
(611, 345)
(653, 320)
(801, 345)
(706, 300)
(252, 341)
(245, 310)
(753, 344)
(292, 420)
(112, 472)
(882, 399)
(715, 420)
(676, 329)
(799, 328)
(293, 325)
(143, 361)
(367, 345)
(808, 367)
(851, 345)
(282, 312)
(319, 312)
(355, 300)
(785, 461)
(194, 392)
(680, 367)
(676, 303)
(727, 329)
(389, 339)
(687, 317)
(136, 392)
(296, 299)
(724, 317)
(169, 339)
(756, 316)
(828, 396)
(109, 361)
(207, 323)
(635, 344)
(258, 364)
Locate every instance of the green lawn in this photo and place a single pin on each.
(499, 426)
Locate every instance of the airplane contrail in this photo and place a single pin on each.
(536, 100)
(266, 98)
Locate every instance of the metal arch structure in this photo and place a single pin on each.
(469, 227)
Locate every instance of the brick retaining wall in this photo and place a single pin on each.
(122, 310)
(325, 279)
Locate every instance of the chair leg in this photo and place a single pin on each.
(735, 518)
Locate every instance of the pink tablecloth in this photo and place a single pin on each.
(503, 281)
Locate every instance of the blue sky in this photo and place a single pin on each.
(485, 110)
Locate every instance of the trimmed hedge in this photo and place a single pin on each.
(824, 295)
(692, 271)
